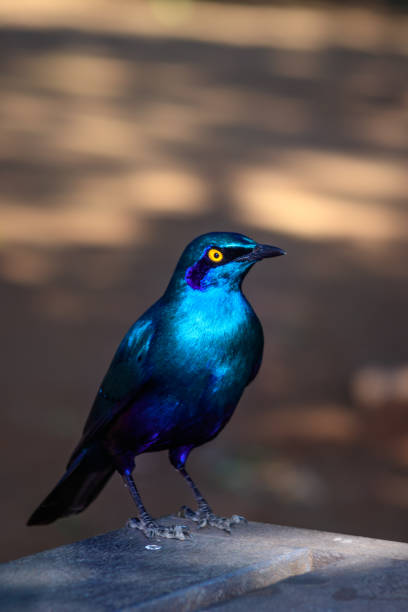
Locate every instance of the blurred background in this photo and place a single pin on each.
(129, 127)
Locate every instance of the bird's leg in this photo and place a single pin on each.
(145, 523)
(204, 515)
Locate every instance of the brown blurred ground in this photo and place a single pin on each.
(127, 130)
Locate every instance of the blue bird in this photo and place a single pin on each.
(174, 382)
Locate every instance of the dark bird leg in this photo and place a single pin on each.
(145, 523)
(204, 515)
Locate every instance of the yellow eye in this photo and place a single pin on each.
(215, 255)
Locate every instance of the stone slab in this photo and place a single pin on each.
(355, 584)
(115, 571)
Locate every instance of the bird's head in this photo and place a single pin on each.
(219, 259)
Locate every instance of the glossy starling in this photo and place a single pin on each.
(174, 382)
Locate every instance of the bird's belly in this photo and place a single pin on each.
(177, 411)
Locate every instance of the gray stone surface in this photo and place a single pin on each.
(355, 584)
(115, 571)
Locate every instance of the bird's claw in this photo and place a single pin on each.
(204, 517)
(154, 530)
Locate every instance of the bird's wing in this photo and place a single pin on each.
(126, 376)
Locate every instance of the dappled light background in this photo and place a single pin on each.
(130, 127)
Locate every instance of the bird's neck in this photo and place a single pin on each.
(217, 305)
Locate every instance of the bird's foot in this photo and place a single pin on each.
(151, 529)
(204, 516)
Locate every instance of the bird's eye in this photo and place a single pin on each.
(215, 255)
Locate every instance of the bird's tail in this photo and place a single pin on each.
(85, 477)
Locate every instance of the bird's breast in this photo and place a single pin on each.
(218, 336)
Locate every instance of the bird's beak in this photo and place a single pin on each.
(262, 251)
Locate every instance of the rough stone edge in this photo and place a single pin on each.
(230, 585)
